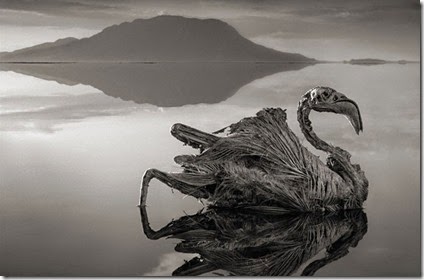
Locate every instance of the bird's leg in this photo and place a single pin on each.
(182, 225)
(148, 231)
(193, 137)
(193, 184)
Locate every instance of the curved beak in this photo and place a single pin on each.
(344, 106)
(350, 109)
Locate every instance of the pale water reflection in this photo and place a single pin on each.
(72, 160)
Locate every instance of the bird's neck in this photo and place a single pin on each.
(303, 112)
(344, 168)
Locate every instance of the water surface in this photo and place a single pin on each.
(73, 157)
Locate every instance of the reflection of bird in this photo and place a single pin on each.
(262, 165)
(261, 245)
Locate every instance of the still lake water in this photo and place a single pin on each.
(72, 160)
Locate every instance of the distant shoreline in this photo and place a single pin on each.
(156, 62)
(176, 62)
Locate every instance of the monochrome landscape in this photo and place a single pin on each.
(90, 90)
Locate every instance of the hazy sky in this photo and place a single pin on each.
(324, 29)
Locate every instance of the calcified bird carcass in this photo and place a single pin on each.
(261, 164)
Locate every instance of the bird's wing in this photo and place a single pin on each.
(268, 137)
(263, 152)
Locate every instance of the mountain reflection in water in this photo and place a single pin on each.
(260, 245)
(161, 84)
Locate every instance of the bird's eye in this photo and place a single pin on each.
(325, 94)
(335, 98)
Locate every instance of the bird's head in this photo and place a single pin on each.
(325, 99)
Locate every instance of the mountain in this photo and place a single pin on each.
(161, 84)
(367, 61)
(162, 38)
(41, 47)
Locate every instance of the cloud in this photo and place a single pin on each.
(56, 7)
(48, 113)
(325, 10)
(377, 24)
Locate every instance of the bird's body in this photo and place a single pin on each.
(262, 165)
